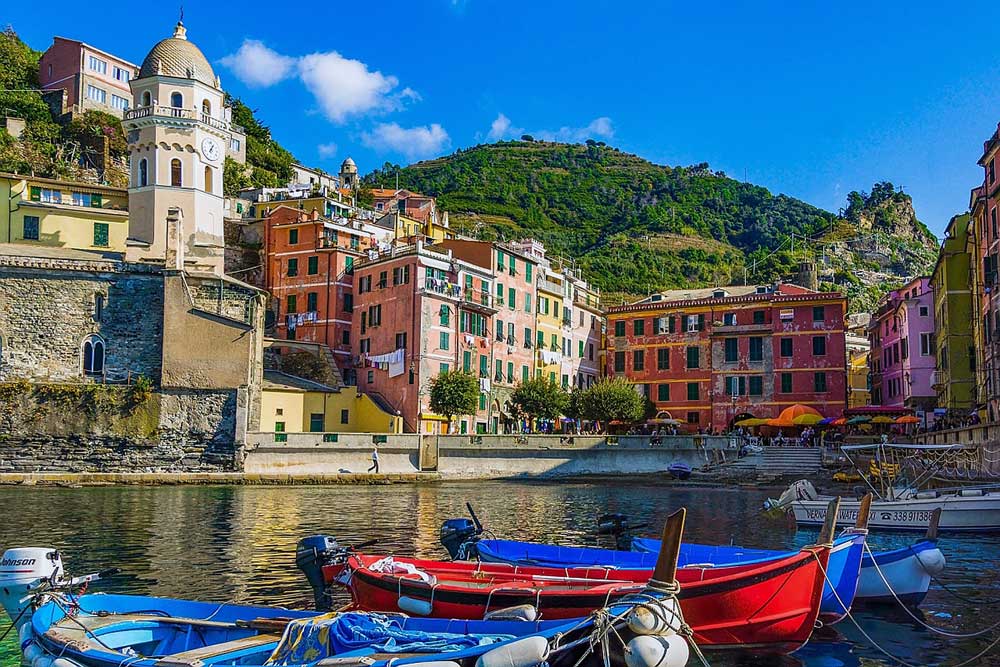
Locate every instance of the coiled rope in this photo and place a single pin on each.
(878, 646)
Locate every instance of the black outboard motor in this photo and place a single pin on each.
(311, 554)
(620, 528)
(457, 535)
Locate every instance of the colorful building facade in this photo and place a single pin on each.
(90, 77)
(954, 378)
(986, 235)
(709, 356)
(903, 349)
(63, 214)
(420, 311)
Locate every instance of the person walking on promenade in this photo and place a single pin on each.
(374, 459)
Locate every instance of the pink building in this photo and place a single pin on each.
(420, 311)
(902, 357)
(92, 79)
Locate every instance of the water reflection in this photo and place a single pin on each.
(237, 543)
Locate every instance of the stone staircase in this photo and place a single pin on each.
(781, 462)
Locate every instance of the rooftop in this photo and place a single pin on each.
(279, 380)
(177, 57)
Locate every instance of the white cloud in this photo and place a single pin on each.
(599, 127)
(345, 87)
(327, 150)
(258, 66)
(342, 87)
(413, 142)
(501, 128)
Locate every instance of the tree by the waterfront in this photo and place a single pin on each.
(454, 393)
(539, 398)
(612, 399)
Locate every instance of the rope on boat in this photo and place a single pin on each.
(947, 588)
(14, 623)
(940, 631)
(874, 643)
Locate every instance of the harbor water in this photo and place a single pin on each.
(237, 544)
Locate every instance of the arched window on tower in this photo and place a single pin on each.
(93, 355)
(175, 173)
(143, 172)
(147, 99)
(176, 100)
(208, 179)
(206, 107)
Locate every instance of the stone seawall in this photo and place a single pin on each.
(466, 457)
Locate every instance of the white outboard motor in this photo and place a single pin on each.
(21, 572)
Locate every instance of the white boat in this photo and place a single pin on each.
(901, 506)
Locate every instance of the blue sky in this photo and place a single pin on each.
(807, 98)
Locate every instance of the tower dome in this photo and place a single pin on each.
(177, 57)
(348, 166)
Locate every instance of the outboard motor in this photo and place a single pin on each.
(311, 554)
(22, 571)
(457, 535)
(620, 528)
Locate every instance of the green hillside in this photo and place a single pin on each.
(633, 226)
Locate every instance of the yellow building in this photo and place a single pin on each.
(954, 377)
(63, 214)
(549, 350)
(858, 379)
(974, 237)
(291, 404)
(405, 227)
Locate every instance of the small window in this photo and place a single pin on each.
(756, 348)
(316, 422)
(819, 346)
(291, 304)
(786, 383)
(98, 307)
(30, 231)
(819, 314)
(693, 417)
(101, 234)
(756, 385)
(732, 349)
(638, 327)
(147, 99)
(663, 359)
(619, 327)
(923, 311)
(619, 362)
(208, 180)
(786, 347)
(206, 107)
(639, 360)
(819, 382)
(693, 392)
(293, 267)
(93, 355)
(312, 265)
(345, 416)
(312, 299)
(663, 392)
(176, 100)
(758, 317)
(143, 172)
(97, 94)
(693, 357)
(175, 173)
(444, 341)
(293, 236)
(729, 319)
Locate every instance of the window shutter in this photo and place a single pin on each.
(671, 324)
(36, 193)
(701, 322)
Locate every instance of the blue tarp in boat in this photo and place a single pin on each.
(307, 641)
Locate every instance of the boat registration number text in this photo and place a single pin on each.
(902, 516)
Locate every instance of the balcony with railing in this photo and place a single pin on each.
(480, 301)
(939, 379)
(550, 286)
(164, 111)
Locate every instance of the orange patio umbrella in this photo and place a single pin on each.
(790, 413)
(908, 419)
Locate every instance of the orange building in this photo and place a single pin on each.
(309, 274)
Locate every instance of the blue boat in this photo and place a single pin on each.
(98, 630)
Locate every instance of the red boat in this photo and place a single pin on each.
(771, 606)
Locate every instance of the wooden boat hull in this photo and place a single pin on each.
(770, 606)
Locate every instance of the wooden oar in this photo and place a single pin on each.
(665, 572)
(932, 526)
(863, 511)
(830, 524)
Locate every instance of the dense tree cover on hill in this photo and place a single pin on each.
(268, 163)
(634, 225)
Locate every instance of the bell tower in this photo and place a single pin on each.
(178, 132)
